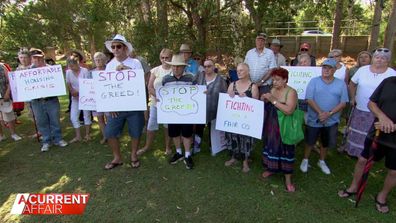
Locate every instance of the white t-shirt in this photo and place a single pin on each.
(340, 73)
(73, 79)
(159, 72)
(130, 62)
(367, 82)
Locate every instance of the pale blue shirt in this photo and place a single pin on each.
(326, 96)
(260, 63)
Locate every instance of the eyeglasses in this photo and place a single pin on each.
(304, 49)
(385, 50)
(118, 46)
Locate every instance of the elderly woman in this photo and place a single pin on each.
(240, 145)
(362, 85)
(215, 85)
(100, 61)
(277, 156)
(155, 82)
(73, 75)
(363, 59)
(342, 71)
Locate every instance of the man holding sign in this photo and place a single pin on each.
(121, 48)
(179, 77)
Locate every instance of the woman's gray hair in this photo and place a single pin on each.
(100, 55)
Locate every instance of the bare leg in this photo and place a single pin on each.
(78, 136)
(149, 140)
(11, 126)
(245, 167)
(115, 147)
(87, 132)
(187, 143)
(134, 156)
(177, 142)
(101, 123)
(307, 151)
(357, 175)
(168, 149)
(323, 153)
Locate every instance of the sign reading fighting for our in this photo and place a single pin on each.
(119, 90)
(299, 78)
(37, 83)
(241, 115)
(86, 94)
(181, 104)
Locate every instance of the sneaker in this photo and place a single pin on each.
(61, 143)
(176, 158)
(189, 162)
(2, 137)
(325, 169)
(45, 147)
(16, 137)
(304, 165)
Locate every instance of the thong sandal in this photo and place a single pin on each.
(379, 206)
(266, 174)
(345, 194)
(111, 165)
(135, 164)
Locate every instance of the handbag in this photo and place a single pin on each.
(291, 126)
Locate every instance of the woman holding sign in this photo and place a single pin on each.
(278, 156)
(240, 145)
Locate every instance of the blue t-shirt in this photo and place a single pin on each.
(192, 67)
(326, 96)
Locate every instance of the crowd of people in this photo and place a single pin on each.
(365, 94)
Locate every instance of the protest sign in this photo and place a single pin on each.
(36, 83)
(240, 115)
(218, 140)
(120, 90)
(181, 104)
(299, 78)
(86, 95)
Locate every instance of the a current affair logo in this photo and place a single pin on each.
(48, 204)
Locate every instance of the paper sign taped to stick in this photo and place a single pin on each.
(181, 104)
(241, 115)
(86, 95)
(299, 78)
(36, 83)
(120, 90)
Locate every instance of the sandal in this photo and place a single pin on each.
(87, 138)
(135, 164)
(381, 206)
(230, 162)
(266, 174)
(290, 188)
(345, 194)
(111, 165)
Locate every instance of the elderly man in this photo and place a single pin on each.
(180, 132)
(276, 46)
(46, 110)
(192, 65)
(305, 48)
(121, 49)
(382, 104)
(326, 97)
(6, 112)
(261, 60)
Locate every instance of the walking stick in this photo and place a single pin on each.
(34, 122)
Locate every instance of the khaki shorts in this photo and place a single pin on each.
(6, 111)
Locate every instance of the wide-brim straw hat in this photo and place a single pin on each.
(120, 39)
(177, 60)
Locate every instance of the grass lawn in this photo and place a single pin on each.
(159, 192)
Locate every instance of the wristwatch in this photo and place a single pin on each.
(274, 102)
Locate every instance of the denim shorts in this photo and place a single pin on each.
(328, 135)
(135, 120)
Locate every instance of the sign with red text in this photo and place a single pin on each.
(299, 78)
(241, 115)
(120, 90)
(36, 83)
(181, 104)
(49, 204)
(86, 94)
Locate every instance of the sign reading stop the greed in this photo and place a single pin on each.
(241, 115)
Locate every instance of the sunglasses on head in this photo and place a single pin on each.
(385, 50)
(303, 49)
(118, 46)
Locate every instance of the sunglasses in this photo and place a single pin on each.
(118, 46)
(385, 50)
(303, 49)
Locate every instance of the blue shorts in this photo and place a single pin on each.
(115, 125)
(328, 135)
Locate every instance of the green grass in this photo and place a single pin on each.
(159, 192)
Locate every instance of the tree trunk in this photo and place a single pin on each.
(236, 33)
(254, 14)
(162, 17)
(375, 29)
(335, 39)
(391, 28)
(145, 9)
